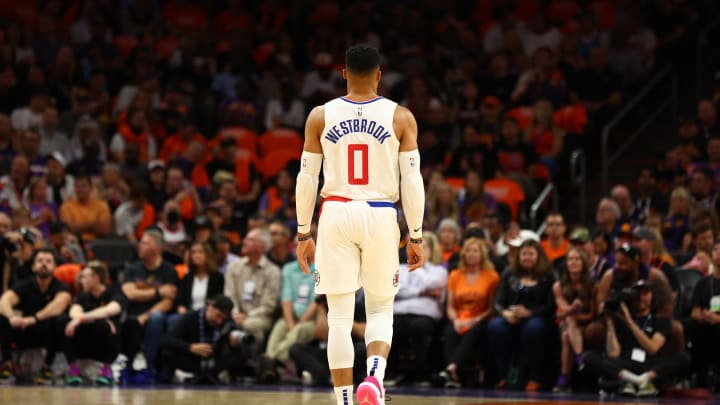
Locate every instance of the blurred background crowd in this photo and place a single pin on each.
(148, 152)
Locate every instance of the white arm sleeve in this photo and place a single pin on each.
(306, 189)
(412, 191)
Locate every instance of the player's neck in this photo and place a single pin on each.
(361, 91)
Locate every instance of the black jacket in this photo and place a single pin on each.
(539, 299)
(216, 284)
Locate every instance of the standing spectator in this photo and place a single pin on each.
(92, 325)
(133, 216)
(41, 300)
(150, 287)
(279, 252)
(555, 245)
(525, 302)
(470, 296)
(84, 214)
(52, 139)
(575, 300)
(253, 284)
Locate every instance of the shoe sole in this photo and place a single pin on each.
(368, 394)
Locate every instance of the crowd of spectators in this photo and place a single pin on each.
(169, 131)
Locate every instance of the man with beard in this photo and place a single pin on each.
(41, 300)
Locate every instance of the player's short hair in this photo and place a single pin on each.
(362, 59)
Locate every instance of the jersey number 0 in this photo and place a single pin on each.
(360, 152)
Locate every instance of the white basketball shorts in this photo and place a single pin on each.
(357, 247)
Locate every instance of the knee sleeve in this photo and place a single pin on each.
(379, 311)
(340, 351)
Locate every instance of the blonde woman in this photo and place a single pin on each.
(675, 228)
(575, 299)
(470, 296)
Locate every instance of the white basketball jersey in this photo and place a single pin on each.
(360, 150)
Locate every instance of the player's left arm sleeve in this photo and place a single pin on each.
(306, 188)
(412, 191)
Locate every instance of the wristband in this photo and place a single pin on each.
(419, 241)
(304, 238)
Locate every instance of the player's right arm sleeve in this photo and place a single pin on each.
(306, 188)
(412, 191)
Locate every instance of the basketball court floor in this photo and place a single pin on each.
(29, 395)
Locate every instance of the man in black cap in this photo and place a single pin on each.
(635, 336)
(203, 342)
(644, 240)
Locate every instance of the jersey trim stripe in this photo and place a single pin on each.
(361, 102)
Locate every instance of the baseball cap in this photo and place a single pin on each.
(156, 164)
(580, 235)
(221, 302)
(523, 236)
(630, 252)
(643, 232)
(58, 157)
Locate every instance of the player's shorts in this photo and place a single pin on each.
(357, 247)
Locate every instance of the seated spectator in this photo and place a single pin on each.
(515, 157)
(13, 184)
(41, 300)
(701, 188)
(525, 302)
(150, 287)
(703, 330)
(112, 187)
(475, 203)
(575, 300)
(63, 246)
(607, 219)
(442, 205)
(203, 228)
(91, 327)
(84, 214)
(136, 131)
(449, 237)
(545, 137)
(473, 154)
(92, 153)
(698, 257)
(543, 80)
(649, 200)
(171, 224)
(597, 262)
(279, 252)
(135, 215)
(30, 116)
(287, 111)
(202, 342)
(644, 240)
(223, 255)
(636, 333)
(42, 212)
(30, 146)
(297, 324)
(598, 88)
(7, 151)
(622, 197)
(182, 192)
(278, 195)
(52, 139)
(253, 284)
(61, 186)
(202, 281)
(675, 227)
(470, 297)
(311, 359)
(177, 144)
(555, 245)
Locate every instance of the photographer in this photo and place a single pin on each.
(627, 271)
(18, 248)
(635, 333)
(201, 342)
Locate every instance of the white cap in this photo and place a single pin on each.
(57, 156)
(524, 235)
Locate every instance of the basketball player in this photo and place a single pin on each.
(369, 144)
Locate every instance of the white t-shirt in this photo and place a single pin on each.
(199, 293)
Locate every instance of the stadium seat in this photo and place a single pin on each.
(246, 138)
(572, 118)
(523, 116)
(508, 192)
(280, 139)
(272, 163)
(687, 278)
(68, 273)
(113, 251)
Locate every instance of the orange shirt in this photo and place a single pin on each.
(471, 300)
(73, 213)
(447, 254)
(174, 146)
(554, 253)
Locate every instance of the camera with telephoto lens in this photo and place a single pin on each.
(243, 337)
(626, 295)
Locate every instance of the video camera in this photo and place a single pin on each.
(626, 295)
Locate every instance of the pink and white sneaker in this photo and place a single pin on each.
(370, 392)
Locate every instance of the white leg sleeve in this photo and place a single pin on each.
(340, 349)
(379, 311)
